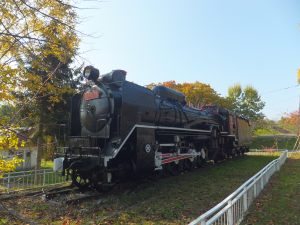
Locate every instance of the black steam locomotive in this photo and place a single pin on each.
(121, 129)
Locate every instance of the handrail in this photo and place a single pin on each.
(223, 208)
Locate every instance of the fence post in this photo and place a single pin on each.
(44, 177)
(277, 165)
(254, 189)
(8, 182)
(245, 200)
(203, 222)
(229, 214)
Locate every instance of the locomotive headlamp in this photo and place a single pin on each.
(91, 73)
(87, 72)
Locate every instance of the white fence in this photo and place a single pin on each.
(232, 209)
(16, 181)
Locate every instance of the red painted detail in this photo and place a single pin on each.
(90, 95)
(173, 159)
(167, 155)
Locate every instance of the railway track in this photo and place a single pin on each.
(33, 193)
(74, 195)
(70, 196)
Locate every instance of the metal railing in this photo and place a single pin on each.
(31, 179)
(232, 209)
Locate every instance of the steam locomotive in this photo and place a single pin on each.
(121, 129)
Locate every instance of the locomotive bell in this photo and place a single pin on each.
(91, 73)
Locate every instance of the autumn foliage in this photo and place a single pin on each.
(37, 43)
(290, 121)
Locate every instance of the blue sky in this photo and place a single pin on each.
(220, 43)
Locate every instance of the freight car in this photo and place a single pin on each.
(121, 129)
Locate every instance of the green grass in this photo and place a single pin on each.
(278, 204)
(178, 200)
(46, 164)
(170, 200)
(265, 131)
(280, 142)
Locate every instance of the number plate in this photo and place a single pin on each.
(91, 95)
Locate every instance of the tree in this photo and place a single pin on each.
(51, 68)
(246, 101)
(37, 43)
